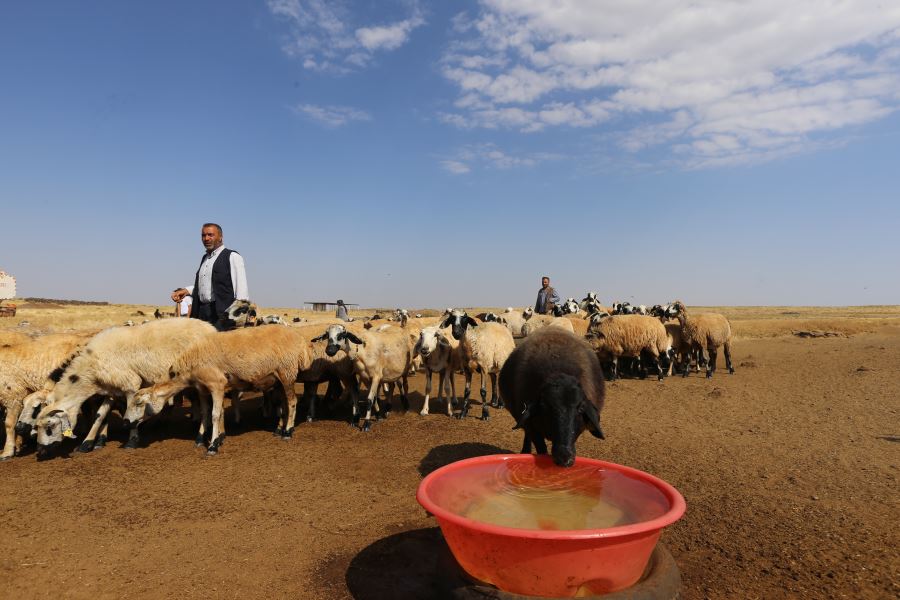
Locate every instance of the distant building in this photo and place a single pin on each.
(323, 306)
(7, 286)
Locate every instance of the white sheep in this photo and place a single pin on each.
(242, 359)
(27, 370)
(705, 330)
(483, 348)
(378, 357)
(619, 336)
(439, 353)
(513, 319)
(116, 362)
(535, 322)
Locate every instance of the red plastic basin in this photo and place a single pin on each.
(550, 562)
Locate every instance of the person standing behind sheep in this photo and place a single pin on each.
(219, 281)
(341, 312)
(547, 298)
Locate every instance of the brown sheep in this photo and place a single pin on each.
(705, 330)
(553, 387)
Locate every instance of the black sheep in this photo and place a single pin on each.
(552, 385)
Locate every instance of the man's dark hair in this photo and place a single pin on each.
(547, 277)
(216, 225)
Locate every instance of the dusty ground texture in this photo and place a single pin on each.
(789, 469)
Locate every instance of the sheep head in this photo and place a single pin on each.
(562, 412)
(150, 401)
(51, 428)
(430, 339)
(459, 321)
(338, 338)
(239, 314)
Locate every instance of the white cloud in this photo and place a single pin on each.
(721, 82)
(325, 36)
(489, 156)
(390, 37)
(456, 167)
(332, 116)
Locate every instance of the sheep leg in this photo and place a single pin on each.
(218, 420)
(234, 397)
(9, 448)
(485, 415)
(290, 403)
(404, 390)
(370, 401)
(614, 373)
(205, 425)
(728, 358)
(464, 410)
(451, 389)
(88, 444)
(309, 398)
(711, 367)
(385, 411)
(101, 439)
(428, 373)
(496, 400)
(540, 444)
(526, 444)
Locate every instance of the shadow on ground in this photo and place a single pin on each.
(439, 456)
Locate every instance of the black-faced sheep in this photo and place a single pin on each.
(378, 357)
(483, 348)
(553, 387)
(705, 330)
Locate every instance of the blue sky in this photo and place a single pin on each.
(405, 153)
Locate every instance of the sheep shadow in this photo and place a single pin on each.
(405, 566)
(445, 454)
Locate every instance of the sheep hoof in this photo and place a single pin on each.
(309, 419)
(131, 444)
(423, 413)
(100, 443)
(5, 458)
(709, 374)
(212, 452)
(731, 370)
(288, 434)
(367, 426)
(86, 446)
(278, 432)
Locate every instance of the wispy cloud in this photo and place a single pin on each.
(489, 156)
(325, 35)
(713, 82)
(331, 116)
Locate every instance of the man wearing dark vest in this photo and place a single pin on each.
(219, 281)
(547, 298)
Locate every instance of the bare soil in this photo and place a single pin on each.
(789, 468)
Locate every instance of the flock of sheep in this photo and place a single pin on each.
(49, 383)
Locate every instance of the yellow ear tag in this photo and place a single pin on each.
(68, 433)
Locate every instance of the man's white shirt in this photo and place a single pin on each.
(238, 276)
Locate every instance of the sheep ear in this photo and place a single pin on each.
(353, 338)
(592, 420)
(526, 414)
(320, 338)
(445, 323)
(472, 322)
(442, 341)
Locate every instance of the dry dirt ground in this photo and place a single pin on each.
(789, 468)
